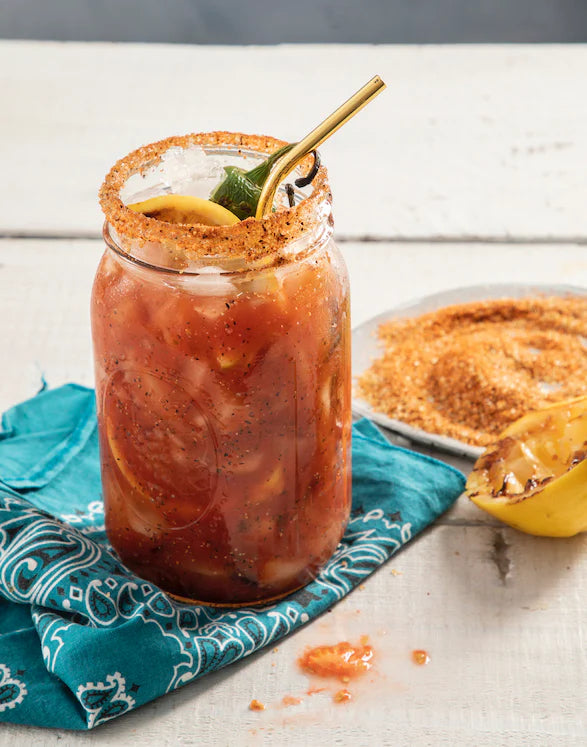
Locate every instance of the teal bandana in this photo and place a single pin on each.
(82, 639)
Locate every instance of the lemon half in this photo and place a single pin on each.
(185, 209)
(534, 478)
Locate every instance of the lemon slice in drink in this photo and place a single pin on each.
(185, 209)
(534, 477)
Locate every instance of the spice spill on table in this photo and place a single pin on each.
(256, 705)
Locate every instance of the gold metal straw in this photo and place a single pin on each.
(325, 129)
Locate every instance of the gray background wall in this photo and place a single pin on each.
(266, 22)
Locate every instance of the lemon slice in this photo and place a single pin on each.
(121, 462)
(534, 478)
(185, 209)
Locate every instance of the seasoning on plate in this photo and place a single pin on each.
(467, 371)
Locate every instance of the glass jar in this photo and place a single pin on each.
(222, 360)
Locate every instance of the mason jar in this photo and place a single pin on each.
(222, 360)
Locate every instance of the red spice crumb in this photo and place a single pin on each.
(275, 650)
(341, 660)
(342, 696)
(289, 700)
(420, 657)
(255, 705)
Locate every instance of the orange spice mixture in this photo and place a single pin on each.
(468, 370)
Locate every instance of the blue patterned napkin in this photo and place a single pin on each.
(82, 639)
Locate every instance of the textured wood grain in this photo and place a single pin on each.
(482, 142)
(467, 142)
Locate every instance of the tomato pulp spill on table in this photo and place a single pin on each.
(290, 700)
(420, 657)
(342, 696)
(343, 661)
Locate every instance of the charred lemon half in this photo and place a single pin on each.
(534, 478)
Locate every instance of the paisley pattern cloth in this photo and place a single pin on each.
(82, 639)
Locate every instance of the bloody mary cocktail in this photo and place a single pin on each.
(223, 393)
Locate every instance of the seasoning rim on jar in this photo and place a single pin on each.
(268, 240)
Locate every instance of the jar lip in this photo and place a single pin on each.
(227, 266)
(250, 239)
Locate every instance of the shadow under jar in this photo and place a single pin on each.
(223, 380)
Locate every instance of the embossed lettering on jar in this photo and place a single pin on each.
(223, 386)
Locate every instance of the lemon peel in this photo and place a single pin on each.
(534, 477)
(185, 209)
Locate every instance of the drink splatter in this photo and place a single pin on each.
(343, 660)
(290, 700)
(420, 657)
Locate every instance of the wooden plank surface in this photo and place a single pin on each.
(467, 142)
(482, 142)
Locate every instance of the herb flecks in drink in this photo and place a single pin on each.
(240, 190)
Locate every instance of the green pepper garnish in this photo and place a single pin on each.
(240, 190)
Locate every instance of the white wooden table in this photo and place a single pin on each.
(470, 168)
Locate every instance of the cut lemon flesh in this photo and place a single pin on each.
(185, 209)
(534, 477)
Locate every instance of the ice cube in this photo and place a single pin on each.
(187, 171)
